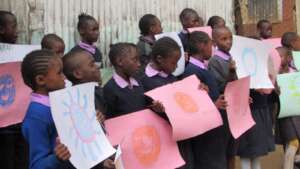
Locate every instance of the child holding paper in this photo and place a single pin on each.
(206, 148)
(80, 67)
(123, 93)
(164, 57)
(14, 149)
(88, 29)
(42, 71)
(288, 131)
(149, 26)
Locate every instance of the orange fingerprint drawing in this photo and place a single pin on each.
(146, 144)
(186, 102)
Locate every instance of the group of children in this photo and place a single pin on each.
(140, 68)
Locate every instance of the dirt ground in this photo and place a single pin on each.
(271, 161)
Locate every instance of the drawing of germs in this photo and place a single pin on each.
(7, 90)
(249, 59)
(294, 88)
(82, 125)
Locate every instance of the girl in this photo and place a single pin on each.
(189, 18)
(216, 22)
(42, 72)
(123, 93)
(207, 149)
(149, 26)
(88, 29)
(14, 150)
(288, 130)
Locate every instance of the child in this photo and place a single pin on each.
(149, 26)
(14, 150)
(158, 72)
(207, 149)
(223, 68)
(88, 29)
(264, 29)
(80, 67)
(216, 22)
(259, 140)
(42, 72)
(189, 18)
(123, 93)
(288, 128)
(291, 40)
(54, 43)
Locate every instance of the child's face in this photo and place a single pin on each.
(130, 63)
(88, 70)
(156, 28)
(192, 21)
(59, 48)
(169, 64)
(91, 31)
(54, 79)
(224, 40)
(296, 44)
(266, 30)
(207, 50)
(9, 32)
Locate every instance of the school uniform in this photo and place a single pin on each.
(40, 132)
(259, 140)
(219, 66)
(92, 49)
(184, 37)
(209, 148)
(144, 47)
(152, 79)
(288, 128)
(123, 97)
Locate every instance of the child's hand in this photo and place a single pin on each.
(186, 56)
(203, 86)
(100, 116)
(62, 152)
(221, 103)
(250, 100)
(108, 164)
(232, 66)
(157, 106)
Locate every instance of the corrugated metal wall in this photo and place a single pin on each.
(118, 19)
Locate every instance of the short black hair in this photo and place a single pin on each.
(196, 38)
(3, 15)
(186, 13)
(261, 22)
(146, 22)
(83, 18)
(70, 64)
(119, 50)
(163, 47)
(287, 39)
(214, 20)
(49, 39)
(35, 63)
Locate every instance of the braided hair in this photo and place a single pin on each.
(83, 18)
(35, 63)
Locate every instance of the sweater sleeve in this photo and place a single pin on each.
(41, 154)
(216, 69)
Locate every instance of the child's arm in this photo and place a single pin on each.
(41, 153)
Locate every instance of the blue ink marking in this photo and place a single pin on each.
(249, 52)
(7, 90)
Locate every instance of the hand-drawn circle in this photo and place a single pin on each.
(249, 52)
(7, 90)
(146, 144)
(186, 102)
